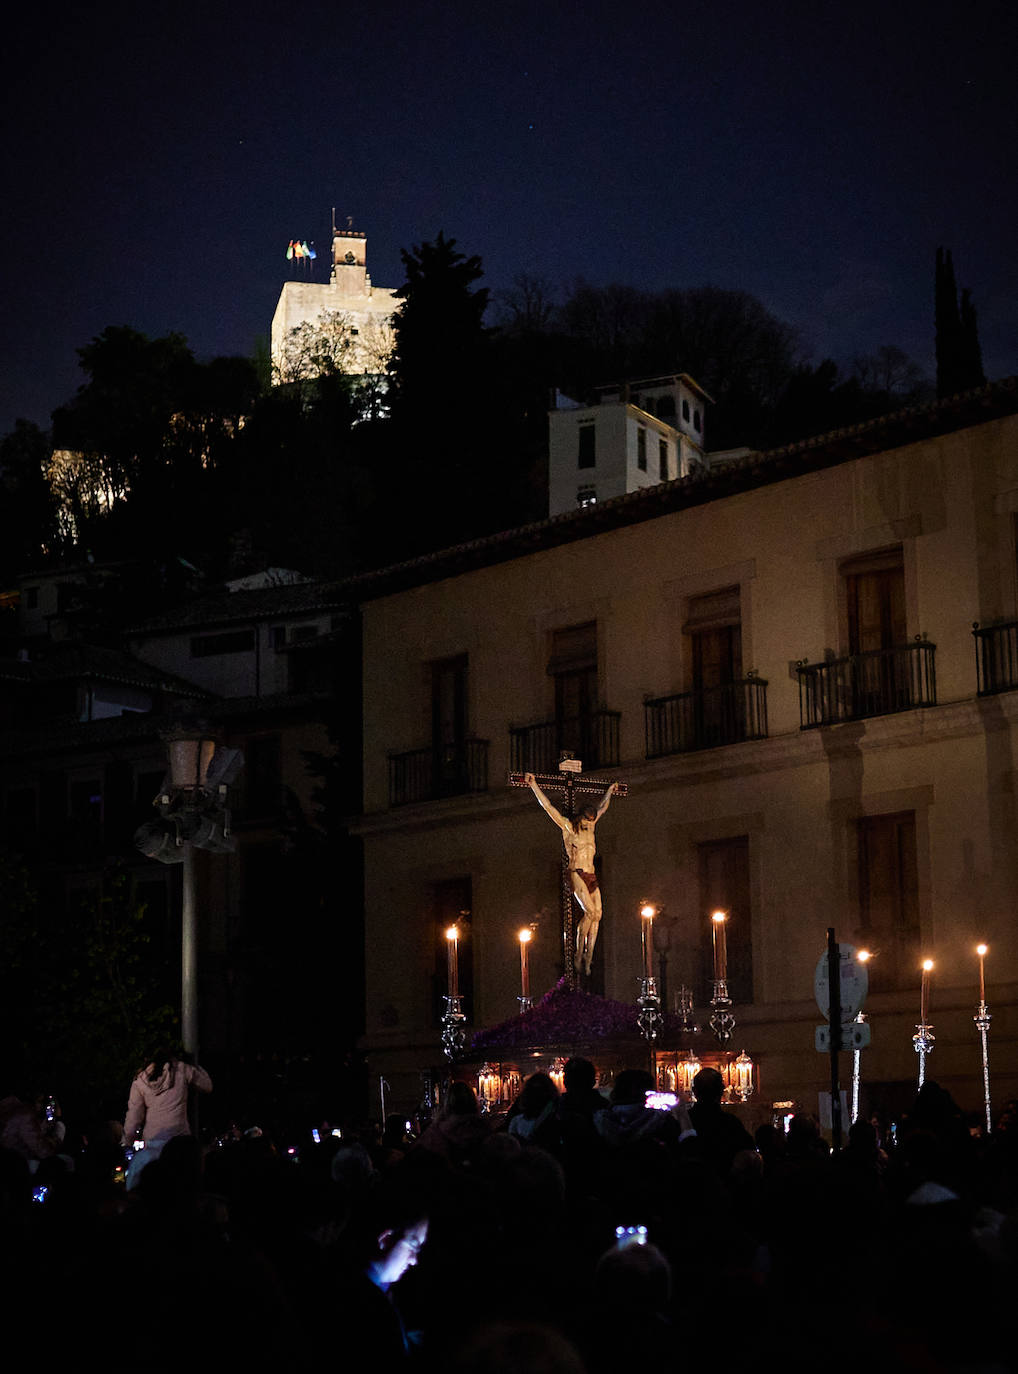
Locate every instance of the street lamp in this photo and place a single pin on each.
(192, 813)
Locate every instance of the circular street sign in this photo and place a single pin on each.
(855, 982)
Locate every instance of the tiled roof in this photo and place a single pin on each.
(907, 426)
(61, 736)
(69, 661)
(229, 608)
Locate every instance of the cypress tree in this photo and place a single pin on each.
(959, 357)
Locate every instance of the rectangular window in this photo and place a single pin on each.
(573, 666)
(451, 904)
(230, 642)
(889, 899)
(724, 886)
(880, 678)
(586, 453)
(641, 448)
(717, 708)
(662, 459)
(875, 596)
(449, 725)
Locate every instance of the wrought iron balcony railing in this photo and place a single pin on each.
(877, 683)
(593, 737)
(996, 657)
(448, 771)
(687, 721)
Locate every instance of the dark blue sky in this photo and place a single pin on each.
(157, 161)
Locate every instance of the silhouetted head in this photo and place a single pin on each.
(708, 1087)
(579, 1075)
(631, 1086)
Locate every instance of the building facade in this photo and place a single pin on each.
(778, 658)
(634, 436)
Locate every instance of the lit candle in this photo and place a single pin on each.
(718, 920)
(452, 936)
(981, 950)
(648, 913)
(526, 935)
(924, 990)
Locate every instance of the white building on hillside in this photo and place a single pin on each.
(636, 435)
(349, 296)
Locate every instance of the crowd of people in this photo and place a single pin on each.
(577, 1234)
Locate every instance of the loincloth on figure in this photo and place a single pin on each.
(589, 879)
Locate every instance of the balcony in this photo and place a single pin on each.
(878, 683)
(593, 738)
(427, 774)
(996, 657)
(688, 721)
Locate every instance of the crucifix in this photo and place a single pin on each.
(577, 821)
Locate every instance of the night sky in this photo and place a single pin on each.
(157, 160)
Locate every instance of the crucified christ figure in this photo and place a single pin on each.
(578, 839)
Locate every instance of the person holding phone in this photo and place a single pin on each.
(157, 1106)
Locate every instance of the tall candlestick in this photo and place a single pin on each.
(526, 935)
(718, 922)
(982, 1019)
(648, 913)
(924, 990)
(452, 936)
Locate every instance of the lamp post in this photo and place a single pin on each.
(982, 1019)
(192, 813)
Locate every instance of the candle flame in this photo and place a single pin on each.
(927, 964)
(719, 916)
(982, 949)
(526, 935)
(452, 933)
(863, 955)
(648, 911)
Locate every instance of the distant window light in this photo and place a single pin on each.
(586, 496)
(662, 458)
(685, 411)
(586, 454)
(641, 449)
(230, 642)
(696, 421)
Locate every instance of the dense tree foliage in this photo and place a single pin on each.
(82, 996)
(208, 465)
(28, 508)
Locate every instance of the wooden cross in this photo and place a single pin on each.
(570, 784)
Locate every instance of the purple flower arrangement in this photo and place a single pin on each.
(563, 1017)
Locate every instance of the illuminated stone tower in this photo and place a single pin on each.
(365, 309)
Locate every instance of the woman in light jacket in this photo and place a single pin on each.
(157, 1107)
